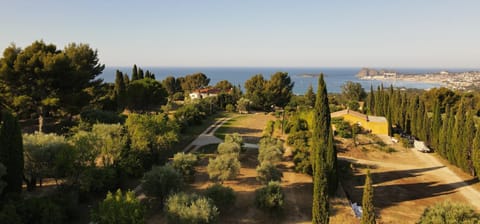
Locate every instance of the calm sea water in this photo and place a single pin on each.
(334, 77)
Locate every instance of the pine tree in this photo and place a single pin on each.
(11, 152)
(134, 73)
(368, 215)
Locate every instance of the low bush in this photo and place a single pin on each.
(190, 208)
(223, 197)
(228, 148)
(230, 108)
(267, 172)
(101, 116)
(270, 197)
(185, 164)
(161, 181)
(223, 167)
(119, 208)
(446, 212)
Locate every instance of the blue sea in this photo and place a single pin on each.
(334, 77)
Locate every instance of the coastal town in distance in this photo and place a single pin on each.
(467, 80)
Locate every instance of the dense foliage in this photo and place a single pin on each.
(162, 181)
(447, 212)
(11, 153)
(185, 164)
(324, 156)
(119, 208)
(223, 197)
(185, 208)
(270, 198)
(368, 209)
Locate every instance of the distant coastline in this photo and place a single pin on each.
(466, 80)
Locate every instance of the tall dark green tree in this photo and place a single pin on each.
(353, 91)
(126, 79)
(323, 155)
(11, 152)
(140, 74)
(120, 90)
(171, 85)
(278, 89)
(371, 101)
(368, 214)
(42, 79)
(195, 81)
(255, 91)
(476, 153)
(135, 73)
(310, 96)
(436, 125)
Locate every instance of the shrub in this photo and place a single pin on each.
(270, 197)
(447, 212)
(185, 164)
(267, 172)
(234, 138)
(119, 208)
(271, 154)
(100, 116)
(190, 208)
(46, 155)
(228, 148)
(269, 128)
(223, 197)
(230, 108)
(161, 181)
(223, 167)
(98, 179)
(33, 210)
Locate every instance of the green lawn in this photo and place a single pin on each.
(224, 129)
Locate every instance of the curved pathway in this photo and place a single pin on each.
(206, 137)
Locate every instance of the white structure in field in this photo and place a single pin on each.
(420, 146)
(204, 93)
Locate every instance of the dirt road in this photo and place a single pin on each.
(408, 181)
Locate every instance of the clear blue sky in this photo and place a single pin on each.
(284, 33)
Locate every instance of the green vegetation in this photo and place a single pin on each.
(162, 181)
(447, 212)
(267, 172)
(270, 198)
(223, 167)
(119, 208)
(324, 156)
(11, 153)
(185, 208)
(368, 214)
(267, 93)
(223, 197)
(185, 164)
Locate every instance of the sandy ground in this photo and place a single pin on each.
(406, 182)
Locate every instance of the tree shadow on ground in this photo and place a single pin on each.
(387, 195)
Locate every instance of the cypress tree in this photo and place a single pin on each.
(320, 138)
(368, 215)
(134, 73)
(310, 96)
(140, 74)
(389, 121)
(468, 136)
(11, 152)
(436, 125)
(371, 101)
(126, 79)
(476, 153)
(120, 90)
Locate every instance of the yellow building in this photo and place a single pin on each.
(377, 125)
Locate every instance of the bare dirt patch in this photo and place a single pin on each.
(405, 181)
